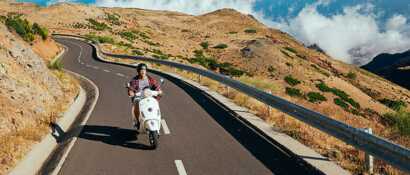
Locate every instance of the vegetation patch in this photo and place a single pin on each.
(351, 75)
(205, 45)
(137, 52)
(320, 70)
(97, 25)
(128, 35)
(100, 39)
(24, 29)
(393, 104)
(56, 64)
(291, 50)
(341, 103)
(285, 53)
(341, 94)
(221, 46)
(232, 32)
(250, 31)
(315, 97)
(213, 64)
(114, 19)
(400, 121)
(291, 81)
(293, 92)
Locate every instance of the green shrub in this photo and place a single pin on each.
(291, 50)
(130, 36)
(315, 97)
(289, 64)
(100, 39)
(271, 69)
(205, 45)
(400, 120)
(353, 103)
(211, 63)
(43, 32)
(291, 81)
(56, 64)
(124, 44)
(250, 31)
(293, 92)
(395, 105)
(21, 26)
(351, 75)
(221, 46)
(341, 103)
(97, 25)
(3, 18)
(323, 87)
(232, 32)
(113, 18)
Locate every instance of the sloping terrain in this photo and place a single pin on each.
(238, 45)
(31, 95)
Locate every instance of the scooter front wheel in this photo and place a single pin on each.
(153, 139)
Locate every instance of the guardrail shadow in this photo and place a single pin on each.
(274, 156)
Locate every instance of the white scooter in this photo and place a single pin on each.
(150, 114)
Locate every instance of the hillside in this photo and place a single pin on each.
(393, 67)
(31, 95)
(239, 46)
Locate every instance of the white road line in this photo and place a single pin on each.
(95, 67)
(165, 127)
(87, 65)
(105, 70)
(180, 167)
(81, 51)
(121, 75)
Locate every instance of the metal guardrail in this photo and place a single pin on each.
(381, 148)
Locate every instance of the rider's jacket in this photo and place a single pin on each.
(153, 84)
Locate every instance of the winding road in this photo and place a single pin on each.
(199, 135)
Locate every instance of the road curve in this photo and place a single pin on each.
(202, 137)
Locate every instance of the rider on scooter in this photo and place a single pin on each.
(139, 83)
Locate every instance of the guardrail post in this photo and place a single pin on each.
(199, 78)
(268, 106)
(368, 157)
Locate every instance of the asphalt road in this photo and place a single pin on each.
(202, 136)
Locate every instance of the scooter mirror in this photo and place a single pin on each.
(162, 81)
(127, 85)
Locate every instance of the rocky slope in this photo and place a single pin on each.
(239, 46)
(31, 96)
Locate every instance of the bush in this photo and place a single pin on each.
(97, 25)
(343, 95)
(315, 97)
(341, 103)
(205, 45)
(21, 26)
(250, 31)
(271, 69)
(211, 63)
(400, 120)
(293, 92)
(130, 36)
(395, 105)
(351, 75)
(113, 18)
(291, 81)
(56, 64)
(291, 50)
(100, 39)
(43, 32)
(221, 46)
(232, 32)
(323, 87)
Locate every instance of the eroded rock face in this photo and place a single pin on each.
(28, 90)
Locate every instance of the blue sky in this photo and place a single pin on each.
(353, 31)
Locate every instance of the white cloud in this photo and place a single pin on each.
(352, 36)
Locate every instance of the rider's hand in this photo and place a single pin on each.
(159, 92)
(131, 94)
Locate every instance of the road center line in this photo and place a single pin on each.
(105, 70)
(180, 167)
(165, 127)
(95, 67)
(121, 75)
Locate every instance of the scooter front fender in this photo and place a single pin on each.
(153, 125)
